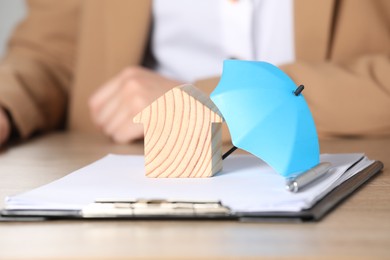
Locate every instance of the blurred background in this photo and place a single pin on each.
(11, 12)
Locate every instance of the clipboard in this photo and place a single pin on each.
(112, 209)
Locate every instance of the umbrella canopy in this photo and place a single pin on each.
(265, 117)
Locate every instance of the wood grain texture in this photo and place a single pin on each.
(183, 135)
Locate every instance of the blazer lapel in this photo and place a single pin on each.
(113, 35)
(313, 28)
(127, 30)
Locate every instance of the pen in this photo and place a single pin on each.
(294, 184)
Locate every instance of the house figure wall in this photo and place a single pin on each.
(183, 135)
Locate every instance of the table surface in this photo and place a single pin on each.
(358, 228)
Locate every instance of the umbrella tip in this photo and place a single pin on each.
(299, 90)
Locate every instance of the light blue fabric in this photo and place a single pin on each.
(264, 116)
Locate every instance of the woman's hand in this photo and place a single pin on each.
(115, 104)
(5, 127)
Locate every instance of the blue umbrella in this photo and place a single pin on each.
(267, 115)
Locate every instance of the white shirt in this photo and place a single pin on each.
(191, 38)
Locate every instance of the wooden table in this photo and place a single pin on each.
(359, 228)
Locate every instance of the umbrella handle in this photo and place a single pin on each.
(228, 152)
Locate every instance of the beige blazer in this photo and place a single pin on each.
(64, 50)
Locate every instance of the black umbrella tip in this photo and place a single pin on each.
(299, 90)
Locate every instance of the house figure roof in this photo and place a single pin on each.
(182, 134)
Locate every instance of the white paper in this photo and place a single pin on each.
(246, 184)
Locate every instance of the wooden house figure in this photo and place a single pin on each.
(183, 135)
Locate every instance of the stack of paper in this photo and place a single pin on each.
(246, 184)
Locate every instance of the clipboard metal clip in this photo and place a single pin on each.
(124, 208)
